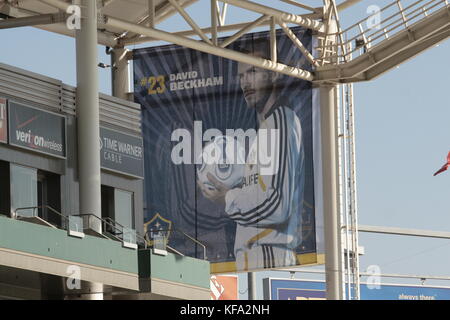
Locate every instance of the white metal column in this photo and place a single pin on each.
(251, 282)
(88, 123)
(330, 170)
(119, 73)
(328, 114)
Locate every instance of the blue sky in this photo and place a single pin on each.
(403, 137)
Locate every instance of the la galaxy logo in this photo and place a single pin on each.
(157, 227)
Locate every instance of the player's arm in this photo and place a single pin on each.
(267, 202)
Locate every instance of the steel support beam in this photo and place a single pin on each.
(188, 33)
(346, 4)
(328, 119)
(405, 232)
(88, 124)
(189, 20)
(244, 30)
(207, 48)
(251, 285)
(32, 20)
(330, 175)
(119, 73)
(280, 15)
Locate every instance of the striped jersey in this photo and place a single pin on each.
(267, 208)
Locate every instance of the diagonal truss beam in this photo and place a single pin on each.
(40, 19)
(298, 43)
(280, 15)
(303, 6)
(207, 48)
(189, 20)
(244, 30)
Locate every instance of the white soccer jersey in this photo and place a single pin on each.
(267, 209)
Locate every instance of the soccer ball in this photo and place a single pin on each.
(224, 158)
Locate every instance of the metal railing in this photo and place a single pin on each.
(64, 222)
(366, 34)
(150, 238)
(113, 229)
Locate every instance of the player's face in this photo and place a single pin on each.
(256, 84)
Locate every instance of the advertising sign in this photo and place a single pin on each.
(121, 153)
(37, 130)
(3, 121)
(287, 289)
(229, 153)
(224, 287)
(404, 292)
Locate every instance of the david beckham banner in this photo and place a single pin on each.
(229, 154)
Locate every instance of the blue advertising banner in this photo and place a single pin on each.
(289, 289)
(228, 154)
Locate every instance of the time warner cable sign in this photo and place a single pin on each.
(121, 153)
(229, 154)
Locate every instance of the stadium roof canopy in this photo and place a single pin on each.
(152, 12)
(341, 55)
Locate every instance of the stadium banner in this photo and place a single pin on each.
(230, 154)
(3, 121)
(292, 289)
(224, 287)
(121, 153)
(37, 130)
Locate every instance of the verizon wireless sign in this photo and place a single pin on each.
(121, 153)
(37, 130)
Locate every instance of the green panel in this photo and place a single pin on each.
(45, 241)
(175, 268)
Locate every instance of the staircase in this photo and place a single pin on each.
(366, 50)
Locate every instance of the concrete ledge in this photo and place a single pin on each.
(179, 290)
(37, 263)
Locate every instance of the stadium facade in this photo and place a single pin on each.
(49, 247)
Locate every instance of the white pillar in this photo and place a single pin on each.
(251, 282)
(88, 113)
(88, 130)
(328, 119)
(119, 73)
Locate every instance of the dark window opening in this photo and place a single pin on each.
(35, 193)
(5, 185)
(117, 205)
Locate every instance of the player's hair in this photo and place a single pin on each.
(257, 47)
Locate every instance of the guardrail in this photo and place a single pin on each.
(150, 234)
(113, 229)
(77, 224)
(369, 32)
(73, 225)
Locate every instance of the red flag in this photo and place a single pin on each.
(445, 166)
